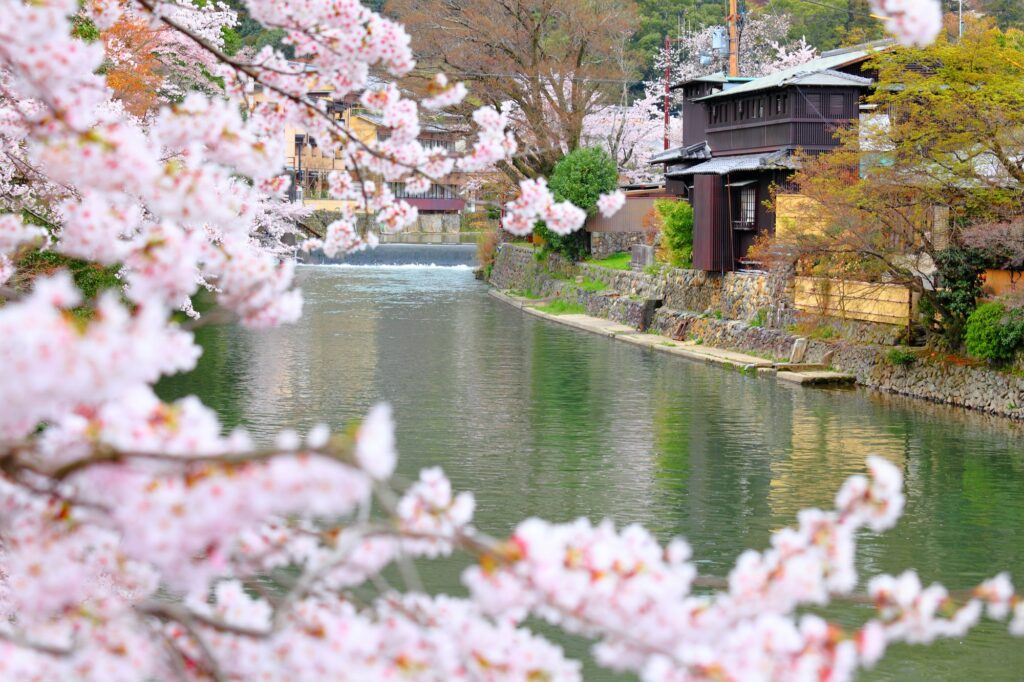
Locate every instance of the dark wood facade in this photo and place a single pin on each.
(723, 231)
(784, 118)
(749, 129)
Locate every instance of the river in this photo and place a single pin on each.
(539, 419)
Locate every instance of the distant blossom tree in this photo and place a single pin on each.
(632, 134)
(138, 540)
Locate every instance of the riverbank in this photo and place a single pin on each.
(748, 314)
(800, 374)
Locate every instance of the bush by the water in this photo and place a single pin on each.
(677, 230)
(994, 332)
(960, 276)
(580, 177)
(901, 357)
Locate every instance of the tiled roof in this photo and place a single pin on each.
(744, 162)
(820, 71)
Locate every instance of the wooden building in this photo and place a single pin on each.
(739, 135)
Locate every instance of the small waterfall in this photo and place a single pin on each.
(401, 254)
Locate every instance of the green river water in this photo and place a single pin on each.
(539, 419)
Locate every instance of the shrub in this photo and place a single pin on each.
(994, 333)
(760, 318)
(677, 230)
(960, 278)
(580, 177)
(486, 247)
(900, 357)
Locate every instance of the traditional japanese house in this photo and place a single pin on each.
(739, 136)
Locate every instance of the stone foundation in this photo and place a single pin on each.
(604, 244)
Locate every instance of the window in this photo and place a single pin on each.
(748, 205)
(836, 106)
(760, 107)
(814, 104)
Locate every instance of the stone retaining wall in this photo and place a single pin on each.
(604, 244)
(634, 299)
(974, 387)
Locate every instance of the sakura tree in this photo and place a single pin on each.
(632, 134)
(140, 541)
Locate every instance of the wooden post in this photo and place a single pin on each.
(734, 39)
(668, 74)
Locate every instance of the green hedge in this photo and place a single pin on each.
(994, 333)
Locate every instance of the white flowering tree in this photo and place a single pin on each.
(632, 134)
(139, 541)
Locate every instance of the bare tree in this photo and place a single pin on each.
(551, 60)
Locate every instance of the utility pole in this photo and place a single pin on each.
(961, 21)
(734, 39)
(668, 75)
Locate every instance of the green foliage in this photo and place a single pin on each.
(1007, 13)
(660, 18)
(560, 307)
(528, 293)
(90, 278)
(828, 25)
(616, 261)
(760, 318)
(83, 29)
(900, 357)
(580, 177)
(677, 230)
(592, 285)
(823, 332)
(960, 272)
(994, 333)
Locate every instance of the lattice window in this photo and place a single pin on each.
(748, 205)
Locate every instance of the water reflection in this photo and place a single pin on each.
(538, 419)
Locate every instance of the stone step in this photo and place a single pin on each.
(816, 378)
(799, 367)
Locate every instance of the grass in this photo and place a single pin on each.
(592, 285)
(667, 343)
(532, 295)
(560, 307)
(616, 261)
(901, 357)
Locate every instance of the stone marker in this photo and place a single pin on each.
(796, 356)
(643, 256)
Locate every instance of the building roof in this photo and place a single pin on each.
(780, 160)
(425, 126)
(820, 71)
(694, 151)
(719, 77)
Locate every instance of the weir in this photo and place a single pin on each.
(401, 254)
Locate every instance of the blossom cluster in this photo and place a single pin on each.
(623, 588)
(913, 22)
(536, 202)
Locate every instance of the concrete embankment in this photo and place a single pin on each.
(632, 303)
